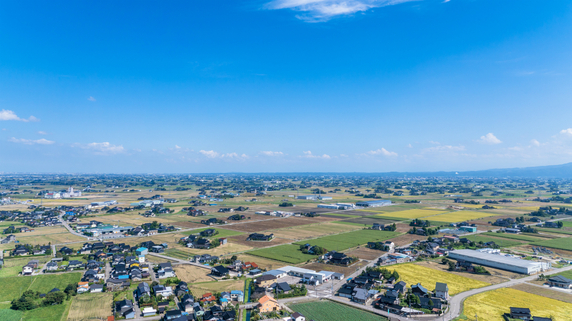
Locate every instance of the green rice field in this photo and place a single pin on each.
(332, 311)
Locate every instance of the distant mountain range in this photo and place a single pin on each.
(551, 171)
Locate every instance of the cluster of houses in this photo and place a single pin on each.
(275, 213)
(434, 301)
(260, 237)
(200, 240)
(37, 218)
(27, 249)
(213, 221)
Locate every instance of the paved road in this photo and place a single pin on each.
(179, 261)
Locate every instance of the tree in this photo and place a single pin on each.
(560, 224)
(395, 275)
(23, 303)
(71, 289)
(430, 303)
(54, 298)
(234, 258)
(445, 260)
(451, 266)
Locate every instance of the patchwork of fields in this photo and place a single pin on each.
(563, 243)
(345, 241)
(411, 214)
(493, 304)
(289, 253)
(460, 216)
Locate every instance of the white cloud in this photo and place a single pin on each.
(516, 148)
(10, 115)
(444, 148)
(177, 147)
(308, 154)
(91, 98)
(209, 153)
(534, 142)
(323, 10)
(42, 141)
(382, 151)
(410, 146)
(270, 153)
(42, 132)
(489, 139)
(567, 132)
(102, 148)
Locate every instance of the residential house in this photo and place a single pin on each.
(260, 237)
(219, 271)
(96, 288)
(400, 287)
(163, 291)
(419, 290)
(297, 317)
(283, 287)
(520, 313)
(125, 309)
(560, 282)
(442, 290)
(268, 304)
(265, 280)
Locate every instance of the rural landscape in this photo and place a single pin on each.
(256, 247)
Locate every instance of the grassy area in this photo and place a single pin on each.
(289, 253)
(413, 274)
(515, 236)
(566, 274)
(44, 283)
(332, 311)
(499, 241)
(178, 254)
(13, 266)
(350, 223)
(221, 232)
(563, 243)
(13, 287)
(348, 240)
(492, 305)
(9, 314)
(54, 312)
(201, 288)
(247, 282)
(555, 231)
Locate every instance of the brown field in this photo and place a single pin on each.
(198, 289)
(94, 306)
(365, 253)
(241, 240)
(262, 263)
(334, 268)
(192, 274)
(313, 231)
(557, 252)
(45, 239)
(405, 239)
(544, 291)
(133, 219)
(190, 224)
(277, 223)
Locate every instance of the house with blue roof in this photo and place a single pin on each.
(142, 251)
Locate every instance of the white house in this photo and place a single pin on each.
(298, 317)
(442, 290)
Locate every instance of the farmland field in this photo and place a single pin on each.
(192, 274)
(262, 263)
(289, 253)
(411, 214)
(198, 289)
(221, 232)
(460, 216)
(276, 223)
(563, 243)
(13, 287)
(313, 230)
(519, 237)
(499, 241)
(493, 304)
(92, 306)
(44, 283)
(345, 241)
(13, 266)
(413, 274)
(331, 311)
(556, 230)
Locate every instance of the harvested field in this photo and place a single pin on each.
(222, 232)
(520, 237)
(190, 224)
(241, 240)
(345, 270)
(198, 289)
(133, 219)
(544, 291)
(405, 239)
(413, 274)
(369, 220)
(493, 304)
(348, 240)
(563, 243)
(499, 241)
(312, 230)
(277, 223)
(93, 306)
(365, 254)
(192, 274)
(492, 279)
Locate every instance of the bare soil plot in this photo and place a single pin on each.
(557, 252)
(544, 291)
(191, 273)
(190, 224)
(132, 219)
(226, 249)
(365, 253)
(241, 240)
(405, 239)
(278, 223)
(345, 270)
(492, 279)
(369, 220)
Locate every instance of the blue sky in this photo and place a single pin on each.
(284, 85)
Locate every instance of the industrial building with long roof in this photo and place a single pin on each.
(500, 261)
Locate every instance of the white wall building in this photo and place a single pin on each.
(500, 261)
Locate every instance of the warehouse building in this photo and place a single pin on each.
(376, 203)
(500, 261)
(307, 197)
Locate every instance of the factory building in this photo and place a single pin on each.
(499, 261)
(307, 197)
(376, 203)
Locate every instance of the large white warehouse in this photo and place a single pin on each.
(500, 261)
